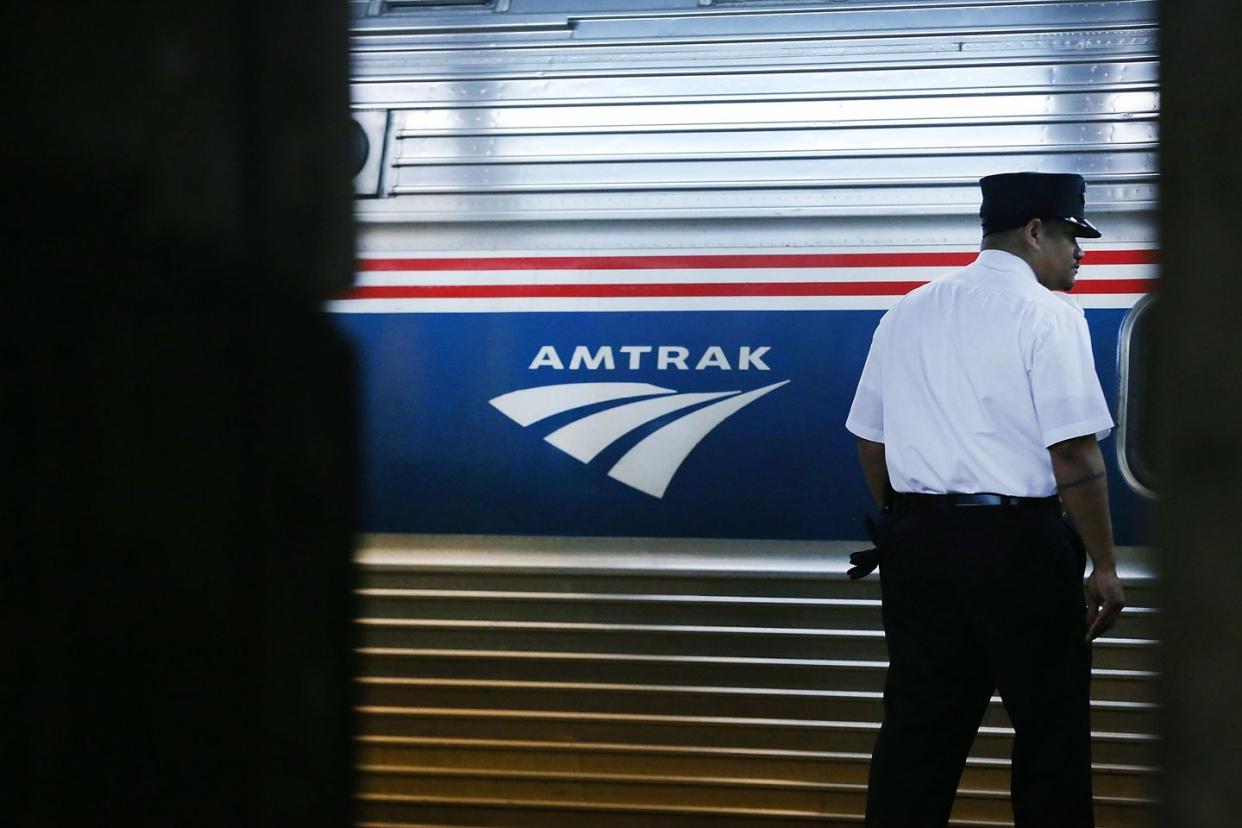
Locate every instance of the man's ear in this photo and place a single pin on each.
(1033, 233)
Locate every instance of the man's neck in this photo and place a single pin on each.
(1028, 267)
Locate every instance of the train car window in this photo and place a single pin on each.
(1134, 450)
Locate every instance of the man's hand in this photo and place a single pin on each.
(1105, 600)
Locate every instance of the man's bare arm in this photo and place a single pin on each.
(874, 467)
(1078, 467)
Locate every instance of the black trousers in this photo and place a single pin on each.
(978, 598)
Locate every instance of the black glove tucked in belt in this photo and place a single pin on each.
(881, 533)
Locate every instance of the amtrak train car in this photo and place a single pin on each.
(619, 264)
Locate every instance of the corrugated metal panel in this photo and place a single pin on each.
(542, 682)
(867, 102)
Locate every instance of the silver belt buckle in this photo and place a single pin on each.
(981, 500)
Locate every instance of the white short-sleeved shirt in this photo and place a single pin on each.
(972, 376)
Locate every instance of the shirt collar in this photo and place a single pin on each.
(1000, 260)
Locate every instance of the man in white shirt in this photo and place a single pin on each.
(977, 416)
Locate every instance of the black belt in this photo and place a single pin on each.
(915, 500)
(881, 531)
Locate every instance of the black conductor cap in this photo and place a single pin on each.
(1012, 199)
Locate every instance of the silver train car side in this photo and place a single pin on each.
(619, 265)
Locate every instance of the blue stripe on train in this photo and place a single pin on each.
(440, 459)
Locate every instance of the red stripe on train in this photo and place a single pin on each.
(731, 261)
(688, 289)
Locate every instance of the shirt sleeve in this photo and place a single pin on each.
(1064, 387)
(866, 418)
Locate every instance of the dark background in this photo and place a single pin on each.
(178, 417)
(1197, 396)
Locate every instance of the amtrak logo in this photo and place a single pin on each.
(650, 465)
